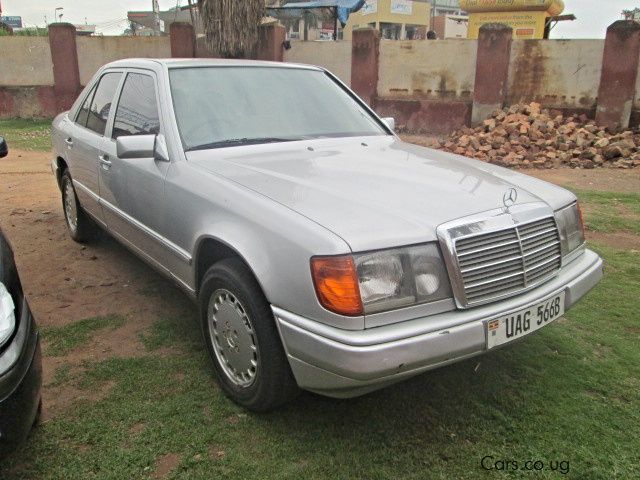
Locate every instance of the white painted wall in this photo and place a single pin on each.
(94, 52)
(562, 73)
(25, 61)
(427, 68)
(334, 56)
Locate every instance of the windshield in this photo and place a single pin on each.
(228, 106)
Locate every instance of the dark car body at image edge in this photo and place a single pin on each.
(20, 357)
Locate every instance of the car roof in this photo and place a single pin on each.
(201, 62)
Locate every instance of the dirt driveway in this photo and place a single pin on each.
(66, 282)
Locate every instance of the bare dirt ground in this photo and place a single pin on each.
(603, 179)
(66, 282)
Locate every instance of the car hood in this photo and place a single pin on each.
(374, 192)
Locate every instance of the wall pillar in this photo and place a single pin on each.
(64, 55)
(271, 47)
(619, 73)
(183, 40)
(492, 70)
(365, 57)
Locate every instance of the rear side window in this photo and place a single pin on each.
(83, 113)
(137, 112)
(102, 100)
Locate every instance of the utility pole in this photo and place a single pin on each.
(156, 17)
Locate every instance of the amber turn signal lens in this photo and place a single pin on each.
(336, 283)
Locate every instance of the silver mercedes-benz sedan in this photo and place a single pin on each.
(324, 253)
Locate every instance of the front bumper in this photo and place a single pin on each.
(20, 383)
(343, 363)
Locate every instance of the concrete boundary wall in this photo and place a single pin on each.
(556, 73)
(25, 61)
(94, 52)
(334, 56)
(419, 69)
(429, 86)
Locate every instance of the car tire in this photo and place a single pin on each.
(81, 227)
(241, 336)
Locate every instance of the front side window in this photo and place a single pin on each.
(137, 112)
(102, 100)
(228, 106)
(83, 113)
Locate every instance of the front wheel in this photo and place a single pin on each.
(241, 337)
(81, 227)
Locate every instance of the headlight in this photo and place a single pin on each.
(379, 281)
(569, 221)
(391, 279)
(7, 315)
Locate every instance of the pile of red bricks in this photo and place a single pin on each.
(526, 136)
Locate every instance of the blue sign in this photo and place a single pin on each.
(13, 22)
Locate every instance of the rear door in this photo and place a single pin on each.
(132, 190)
(85, 137)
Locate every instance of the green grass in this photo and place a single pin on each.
(170, 331)
(61, 340)
(608, 212)
(27, 133)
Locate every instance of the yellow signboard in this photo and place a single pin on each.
(525, 25)
(552, 7)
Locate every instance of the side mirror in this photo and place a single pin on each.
(390, 122)
(135, 146)
(4, 149)
(142, 146)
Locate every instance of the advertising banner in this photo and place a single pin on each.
(526, 25)
(552, 7)
(402, 7)
(13, 22)
(370, 7)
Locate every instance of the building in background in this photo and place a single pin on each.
(529, 19)
(631, 14)
(445, 7)
(451, 26)
(85, 30)
(143, 23)
(395, 19)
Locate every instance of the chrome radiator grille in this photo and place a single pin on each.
(501, 263)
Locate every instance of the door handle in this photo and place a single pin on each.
(104, 160)
(69, 142)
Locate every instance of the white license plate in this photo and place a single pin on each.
(515, 325)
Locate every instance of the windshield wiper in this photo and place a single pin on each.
(236, 142)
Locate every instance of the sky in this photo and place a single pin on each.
(110, 15)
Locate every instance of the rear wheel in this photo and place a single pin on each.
(241, 337)
(80, 226)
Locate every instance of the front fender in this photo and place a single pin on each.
(276, 242)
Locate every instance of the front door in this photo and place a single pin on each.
(132, 190)
(83, 139)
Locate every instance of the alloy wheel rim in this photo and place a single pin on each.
(233, 338)
(70, 210)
